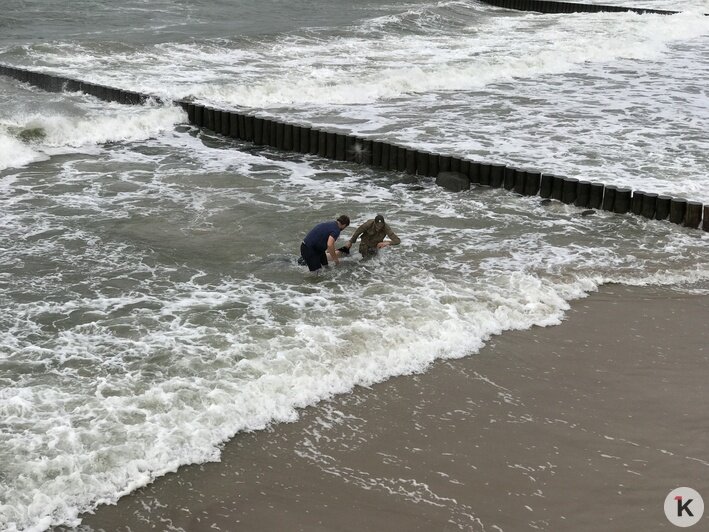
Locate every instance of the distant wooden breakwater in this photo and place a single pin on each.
(544, 6)
(452, 172)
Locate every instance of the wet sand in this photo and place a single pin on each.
(583, 426)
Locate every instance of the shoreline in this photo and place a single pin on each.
(585, 425)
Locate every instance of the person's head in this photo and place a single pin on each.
(379, 221)
(343, 221)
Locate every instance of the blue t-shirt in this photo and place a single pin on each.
(317, 238)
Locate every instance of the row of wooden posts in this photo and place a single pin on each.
(451, 171)
(544, 6)
(53, 83)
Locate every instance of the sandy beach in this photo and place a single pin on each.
(583, 426)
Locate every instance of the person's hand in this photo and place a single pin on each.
(383, 245)
(348, 245)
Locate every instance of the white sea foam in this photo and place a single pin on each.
(529, 70)
(15, 153)
(437, 85)
(371, 64)
(693, 6)
(364, 70)
(118, 125)
(63, 133)
(128, 383)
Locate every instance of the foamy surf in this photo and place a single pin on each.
(337, 74)
(15, 153)
(317, 68)
(171, 353)
(33, 136)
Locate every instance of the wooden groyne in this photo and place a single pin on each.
(453, 172)
(544, 6)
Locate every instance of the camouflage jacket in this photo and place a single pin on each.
(371, 236)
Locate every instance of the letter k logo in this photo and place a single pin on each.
(683, 507)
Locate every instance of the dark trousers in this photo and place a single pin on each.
(314, 259)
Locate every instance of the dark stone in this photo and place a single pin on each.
(453, 181)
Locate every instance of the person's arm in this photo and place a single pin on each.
(331, 249)
(393, 239)
(361, 229)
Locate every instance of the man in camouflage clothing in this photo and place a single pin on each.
(373, 233)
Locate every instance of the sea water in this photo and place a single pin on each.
(151, 301)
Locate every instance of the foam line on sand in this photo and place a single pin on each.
(583, 426)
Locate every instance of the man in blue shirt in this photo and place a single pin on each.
(322, 238)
